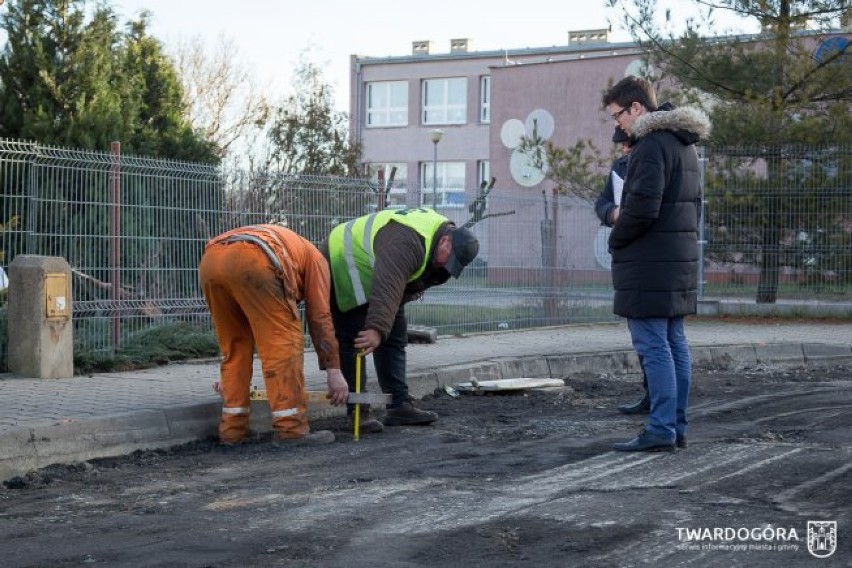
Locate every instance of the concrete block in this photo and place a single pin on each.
(41, 340)
(532, 366)
(702, 357)
(780, 353)
(734, 356)
(606, 362)
(422, 334)
(70, 441)
(631, 362)
(194, 421)
(420, 385)
(708, 307)
(822, 353)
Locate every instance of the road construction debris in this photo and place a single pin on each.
(475, 385)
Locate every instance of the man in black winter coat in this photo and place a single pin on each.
(607, 208)
(654, 247)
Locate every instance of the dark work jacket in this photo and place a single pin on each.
(399, 253)
(605, 202)
(654, 243)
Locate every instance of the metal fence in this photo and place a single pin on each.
(777, 222)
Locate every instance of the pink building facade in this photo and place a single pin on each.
(483, 102)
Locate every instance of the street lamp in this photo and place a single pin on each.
(435, 136)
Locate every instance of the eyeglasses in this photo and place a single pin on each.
(617, 115)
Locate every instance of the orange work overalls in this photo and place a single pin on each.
(253, 279)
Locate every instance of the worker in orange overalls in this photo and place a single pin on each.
(253, 279)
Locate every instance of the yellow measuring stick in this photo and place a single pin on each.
(357, 422)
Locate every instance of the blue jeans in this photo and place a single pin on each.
(662, 348)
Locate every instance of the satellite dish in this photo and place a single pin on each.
(512, 132)
(638, 68)
(543, 123)
(601, 245)
(523, 171)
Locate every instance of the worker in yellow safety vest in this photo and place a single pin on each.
(378, 263)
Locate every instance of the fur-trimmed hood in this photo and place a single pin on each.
(689, 124)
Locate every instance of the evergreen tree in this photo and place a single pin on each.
(162, 125)
(77, 83)
(81, 82)
(789, 84)
(768, 95)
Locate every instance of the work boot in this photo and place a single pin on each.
(646, 442)
(317, 438)
(641, 407)
(232, 442)
(407, 415)
(369, 424)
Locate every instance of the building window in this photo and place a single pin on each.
(396, 197)
(450, 187)
(445, 101)
(387, 103)
(483, 174)
(485, 99)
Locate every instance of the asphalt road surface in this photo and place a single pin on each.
(500, 480)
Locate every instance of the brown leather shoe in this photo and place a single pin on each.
(407, 415)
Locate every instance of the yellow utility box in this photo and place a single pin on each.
(57, 296)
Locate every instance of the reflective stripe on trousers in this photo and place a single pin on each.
(285, 413)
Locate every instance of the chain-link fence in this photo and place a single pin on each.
(777, 224)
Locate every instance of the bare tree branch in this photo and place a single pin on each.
(223, 98)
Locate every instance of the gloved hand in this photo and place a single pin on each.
(338, 390)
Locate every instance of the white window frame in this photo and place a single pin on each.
(398, 195)
(450, 190)
(485, 99)
(483, 173)
(437, 107)
(385, 113)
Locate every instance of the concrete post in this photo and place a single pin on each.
(41, 341)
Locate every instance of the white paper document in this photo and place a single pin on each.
(617, 187)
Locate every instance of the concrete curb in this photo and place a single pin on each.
(28, 449)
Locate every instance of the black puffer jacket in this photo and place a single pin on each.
(654, 244)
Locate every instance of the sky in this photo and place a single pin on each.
(270, 35)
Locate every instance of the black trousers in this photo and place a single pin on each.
(389, 358)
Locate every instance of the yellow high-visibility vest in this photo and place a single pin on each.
(350, 247)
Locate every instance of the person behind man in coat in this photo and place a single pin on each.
(378, 263)
(607, 211)
(253, 279)
(654, 247)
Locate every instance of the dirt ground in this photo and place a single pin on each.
(500, 480)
